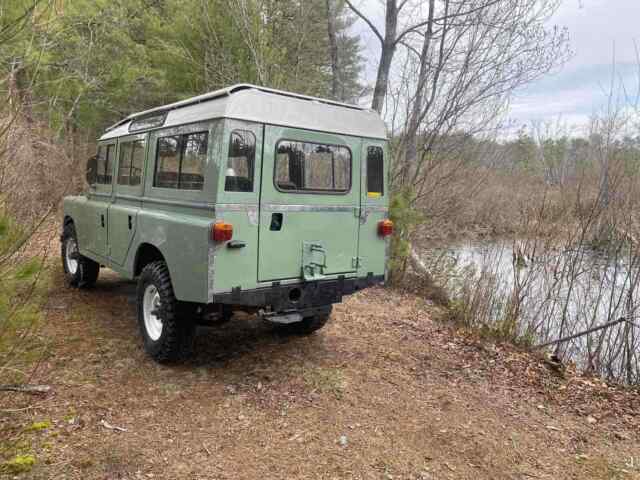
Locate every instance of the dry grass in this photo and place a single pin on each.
(503, 204)
(36, 171)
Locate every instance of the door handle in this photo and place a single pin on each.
(276, 222)
(236, 244)
(102, 220)
(130, 222)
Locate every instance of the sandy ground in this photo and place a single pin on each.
(383, 392)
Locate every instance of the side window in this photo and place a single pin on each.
(180, 161)
(304, 166)
(124, 165)
(240, 164)
(111, 159)
(137, 162)
(104, 164)
(167, 162)
(194, 158)
(375, 172)
(101, 161)
(131, 163)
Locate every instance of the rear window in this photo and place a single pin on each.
(104, 164)
(375, 172)
(312, 167)
(131, 163)
(180, 161)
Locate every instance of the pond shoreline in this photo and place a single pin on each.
(528, 292)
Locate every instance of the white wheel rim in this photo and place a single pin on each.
(151, 303)
(71, 251)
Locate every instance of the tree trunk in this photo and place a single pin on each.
(411, 139)
(333, 50)
(386, 56)
(18, 90)
(382, 80)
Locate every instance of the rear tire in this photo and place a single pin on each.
(167, 329)
(308, 325)
(80, 271)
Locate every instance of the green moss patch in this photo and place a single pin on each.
(19, 464)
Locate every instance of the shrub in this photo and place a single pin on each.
(20, 295)
(405, 220)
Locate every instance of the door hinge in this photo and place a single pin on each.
(361, 214)
(356, 262)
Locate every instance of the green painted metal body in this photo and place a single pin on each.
(115, 223)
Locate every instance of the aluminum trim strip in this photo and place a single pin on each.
(179, 203)
(271, 207)
(131, 198)
(236, 207)
(376, 208)
(100, 194)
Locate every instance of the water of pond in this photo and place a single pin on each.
(554, 293)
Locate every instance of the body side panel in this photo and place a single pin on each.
(183, 238)
(237, 267)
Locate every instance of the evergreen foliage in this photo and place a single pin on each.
(85, 64)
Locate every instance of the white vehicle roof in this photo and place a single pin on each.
(264, 105)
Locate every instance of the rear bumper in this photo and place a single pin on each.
(298, 296)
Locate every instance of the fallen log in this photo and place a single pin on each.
(585, 332)
(33, 389)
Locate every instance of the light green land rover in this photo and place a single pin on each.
(241, 199)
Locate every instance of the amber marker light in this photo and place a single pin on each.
(221, 232)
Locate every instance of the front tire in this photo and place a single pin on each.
(309, 324)
(167, 332)
(80, 271)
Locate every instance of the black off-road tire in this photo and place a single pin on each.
(178, 328)
(308, 325)
(87, 270)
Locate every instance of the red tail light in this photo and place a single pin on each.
(221, 232)
(385, 228)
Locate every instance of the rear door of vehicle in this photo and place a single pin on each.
(309, 205)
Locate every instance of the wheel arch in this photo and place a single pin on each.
(145, 254)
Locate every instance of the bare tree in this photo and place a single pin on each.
(393, 37)
(474, 55)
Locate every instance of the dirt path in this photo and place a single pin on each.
(383, 392)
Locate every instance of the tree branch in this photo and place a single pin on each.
(366, 20)
(419, 25)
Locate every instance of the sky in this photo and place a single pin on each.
(599, 30)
